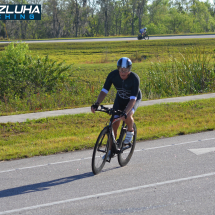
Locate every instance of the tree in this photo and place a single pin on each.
(202, 22)
(141, 7)
(133, 17)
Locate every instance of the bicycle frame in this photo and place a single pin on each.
(117, 146)
(116, 150)
(112, 121)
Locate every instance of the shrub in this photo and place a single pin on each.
(20, 72)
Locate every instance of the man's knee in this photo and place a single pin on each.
(129, 118)
(130, 114)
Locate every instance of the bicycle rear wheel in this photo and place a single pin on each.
(139, 37)
(128, 149)
(100, 151)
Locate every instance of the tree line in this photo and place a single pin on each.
(90, 18)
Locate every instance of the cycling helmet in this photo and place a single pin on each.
(124, 62)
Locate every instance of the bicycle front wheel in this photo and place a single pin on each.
(100, 151)
(127, 149)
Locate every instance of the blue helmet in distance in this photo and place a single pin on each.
(124, 62)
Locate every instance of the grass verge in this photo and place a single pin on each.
(76, 132)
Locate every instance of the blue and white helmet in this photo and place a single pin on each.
(124, 62)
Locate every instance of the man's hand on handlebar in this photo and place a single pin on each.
(123, 115)
(94, 107)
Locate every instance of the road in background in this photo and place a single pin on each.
(117, 39)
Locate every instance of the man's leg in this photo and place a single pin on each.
(130, 120)
(130, 132)
(115, 127)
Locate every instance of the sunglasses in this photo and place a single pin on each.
(126, 70)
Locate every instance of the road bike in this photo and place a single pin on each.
(141, 37)
(106, 138)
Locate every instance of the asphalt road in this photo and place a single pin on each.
(166, 176)
(118, 39)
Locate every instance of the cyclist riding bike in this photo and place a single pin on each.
(143, 31)
(128, 96)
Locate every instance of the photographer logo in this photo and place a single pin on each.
(20, 12)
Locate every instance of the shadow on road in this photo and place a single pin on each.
(43, 185)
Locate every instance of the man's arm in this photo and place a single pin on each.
(130, 105)
(99, 99)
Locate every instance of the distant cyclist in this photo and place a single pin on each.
(143, 31)
(128, 95)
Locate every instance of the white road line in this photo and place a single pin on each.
(202, 151)
(30, 167)
(176, 144)
(107, 193)
(80, 159)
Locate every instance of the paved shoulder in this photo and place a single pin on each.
(30, 116)
(178, 99)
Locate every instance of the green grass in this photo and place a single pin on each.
(156, 63)
(109, 52)
(76, 132)
(159, 80)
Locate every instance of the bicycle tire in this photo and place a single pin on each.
(146, 37)
(139, 37)
(123, 159)
(101, 149)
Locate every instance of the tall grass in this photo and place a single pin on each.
(189, 71)
(75, 93)
(192, 72)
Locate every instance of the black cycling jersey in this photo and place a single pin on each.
(126, 89)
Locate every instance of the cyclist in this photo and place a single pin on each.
(143, 31)
(128, 95)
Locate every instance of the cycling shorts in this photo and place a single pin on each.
(119, 104)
